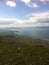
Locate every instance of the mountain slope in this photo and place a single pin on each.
(19, 50)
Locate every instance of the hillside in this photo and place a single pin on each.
(19, 50)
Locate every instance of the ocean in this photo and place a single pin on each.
(34, 32)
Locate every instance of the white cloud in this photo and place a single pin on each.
(30, 4)
(39, 19)
(34, 5)
(34, 19)
(44, 0)
(11, 3)
(40, 15)
(26, 1)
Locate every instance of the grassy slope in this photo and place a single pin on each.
(23, 51)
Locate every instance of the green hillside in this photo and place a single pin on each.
(19, 50)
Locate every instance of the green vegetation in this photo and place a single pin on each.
(18, 50)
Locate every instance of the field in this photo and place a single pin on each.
(19, 50)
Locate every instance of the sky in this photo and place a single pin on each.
(15, 13)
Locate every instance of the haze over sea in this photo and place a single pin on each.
(34, 32)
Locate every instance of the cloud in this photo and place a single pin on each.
(34, 5)
(44, 20)
(30, 4)
(11, 3)
(4, 23)
(26, 1)
(34, 19)
(39, 18)
(44, 1)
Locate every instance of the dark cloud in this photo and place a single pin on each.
(6, 23)
(44, 20)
